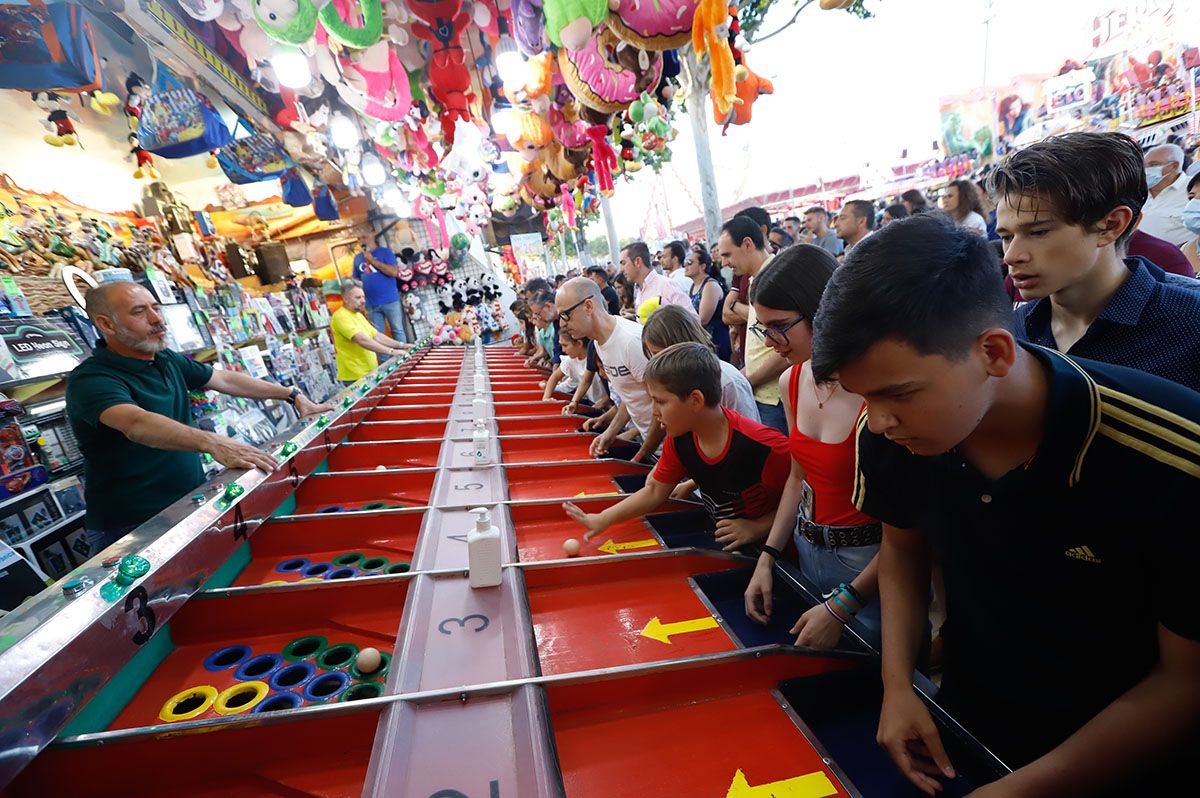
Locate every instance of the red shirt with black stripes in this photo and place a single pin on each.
(744, 481)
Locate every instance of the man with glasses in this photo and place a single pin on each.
(583, 314)
(742, 247)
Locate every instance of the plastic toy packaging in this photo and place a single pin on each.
(15, 454)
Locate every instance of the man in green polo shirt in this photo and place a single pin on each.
(128, 407)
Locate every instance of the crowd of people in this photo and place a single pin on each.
(994, 402)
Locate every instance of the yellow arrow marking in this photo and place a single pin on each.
(610, 547)
(583, 493)
(657, 630)
(812, 785)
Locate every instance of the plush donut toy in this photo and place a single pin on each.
(598, 80)
(661, 25)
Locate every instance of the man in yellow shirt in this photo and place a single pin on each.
(358, 344)
(741, 245)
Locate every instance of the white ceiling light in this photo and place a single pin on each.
(373, 171)
(509, 61)
(343, 131)
(291, 67)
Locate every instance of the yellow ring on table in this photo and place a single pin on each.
(197, 701)
(257, 690)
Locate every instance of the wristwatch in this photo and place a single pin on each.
(293, 396)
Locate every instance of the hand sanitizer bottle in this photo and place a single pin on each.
(479, 407)
(483, 551)
(479, 384)
(480, 440)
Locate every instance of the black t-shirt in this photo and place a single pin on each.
(1058, 573)
(610, 296)
(592, 367)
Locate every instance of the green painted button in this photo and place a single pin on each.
(232, 491)
(349, 400)
(290, 448)
(206, 458)
(131, 569)
(323, 421)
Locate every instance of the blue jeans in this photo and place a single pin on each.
(773, 416)
(100, 539)
(393, 315)
(828, 568)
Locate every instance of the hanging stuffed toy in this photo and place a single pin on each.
(143, 159)
(710, 33)
(58, 124)
(203, 10)
(528, 30)
(136, 93)
(568, 206)
(749, 87)
(661, 25)
(604, 158)
(464, 161)
(441, 24)
(412, 303)
(569, 23)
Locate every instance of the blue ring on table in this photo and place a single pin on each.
(278, 701)
(292, 564)
(225, 658)
(345, 572)
(292, 676)
(258, 668)
(326, 687)
(317, 570)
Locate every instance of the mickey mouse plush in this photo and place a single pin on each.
(58, 120)
(143, 159)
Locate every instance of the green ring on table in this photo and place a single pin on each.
(375, 506)
(375, 688)
(349, 558)
(289, 651)
(329, 650)
(373, 564)
(375, 675)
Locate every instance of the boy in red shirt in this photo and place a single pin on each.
(739, 465)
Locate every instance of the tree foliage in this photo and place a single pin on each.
(752, 13)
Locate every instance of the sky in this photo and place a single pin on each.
(849, 92)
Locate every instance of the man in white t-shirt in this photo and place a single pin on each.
(674, 254)
(1162, 215)
(583, 313)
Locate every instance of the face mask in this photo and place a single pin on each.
(1154, 175)
(1191, 216)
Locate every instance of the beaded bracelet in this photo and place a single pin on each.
(836, 617)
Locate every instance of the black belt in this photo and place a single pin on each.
(836, 537)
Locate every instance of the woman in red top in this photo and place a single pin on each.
(836, 542)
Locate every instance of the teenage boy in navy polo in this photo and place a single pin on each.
(1055, 492)
(739, 465)
(1066, 208)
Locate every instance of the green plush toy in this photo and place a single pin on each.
(348, 35)
(287, 21)
(569, 23)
